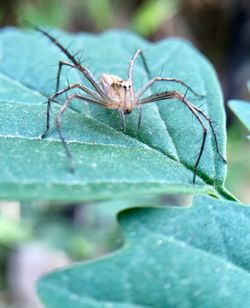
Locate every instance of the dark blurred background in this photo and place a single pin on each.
(35, 238)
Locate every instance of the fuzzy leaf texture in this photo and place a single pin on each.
(158, 158)
(197, 256)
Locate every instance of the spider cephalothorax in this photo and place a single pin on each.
(114, 93)
(120, 91)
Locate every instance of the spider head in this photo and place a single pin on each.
(125, 84)
(113, 81)
(119, 91)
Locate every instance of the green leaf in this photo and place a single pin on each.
(195, 256)
(242, 111)
(158, 158)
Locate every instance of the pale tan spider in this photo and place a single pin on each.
(114, 93)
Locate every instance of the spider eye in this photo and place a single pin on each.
(129, 86)
(124, 87)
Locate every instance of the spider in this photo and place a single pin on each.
(115, 93)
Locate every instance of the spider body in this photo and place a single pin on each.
(120, 91)
(113, 92)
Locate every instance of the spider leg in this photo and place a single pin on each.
(59, 118)
(76, 63)
(139, 52)
(58, 127)
(213, 132)
(60, 64)
(122, 118)
(160, 79)
(58, 93)
(177, 95)
(139, 116)
(58, 76)
(43, 135)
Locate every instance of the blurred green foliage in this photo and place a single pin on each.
(45, 12)
(152, 14)
(238, 150)
(101, 12)
(13, 233)
(143, 17)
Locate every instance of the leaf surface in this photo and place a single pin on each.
(196, 256)
(158, 158)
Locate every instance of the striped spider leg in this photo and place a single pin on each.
(196, 111)
(113, 92)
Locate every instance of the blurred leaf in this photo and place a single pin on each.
(195, 256)
(12, 232)
(242, 111)
(159, 158)
(65, 236)
(151, 15)
(238, 177)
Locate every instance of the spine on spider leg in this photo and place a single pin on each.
(54, 41)
(78, 65)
